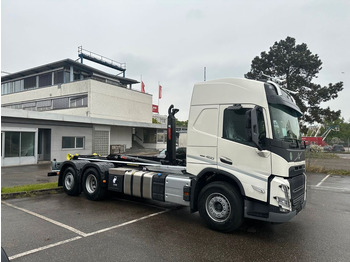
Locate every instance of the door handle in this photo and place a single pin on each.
(226, 160)
(263, 153)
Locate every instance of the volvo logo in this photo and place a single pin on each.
(298, 156)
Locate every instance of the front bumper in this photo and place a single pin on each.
(268, 213)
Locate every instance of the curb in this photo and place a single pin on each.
(32, 193)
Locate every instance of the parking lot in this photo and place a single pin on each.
(63, 228)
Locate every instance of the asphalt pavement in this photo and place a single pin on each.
(26, 175)
(63, 228)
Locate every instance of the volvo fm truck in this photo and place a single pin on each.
(244, 159)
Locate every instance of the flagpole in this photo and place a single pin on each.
(158, 96)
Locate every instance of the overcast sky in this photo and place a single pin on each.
(172, 41)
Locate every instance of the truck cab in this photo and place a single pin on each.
(246, 134)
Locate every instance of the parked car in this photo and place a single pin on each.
(327, 148)
(180, 153)
(162, 154)
(338, 148)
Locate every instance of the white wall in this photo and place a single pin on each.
(104, 100)
(57, 132)
(55, 91)
(113, 102)
(121, 136)
(56, 141)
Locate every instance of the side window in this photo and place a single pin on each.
(234, 126)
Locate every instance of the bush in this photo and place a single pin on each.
(316, 148)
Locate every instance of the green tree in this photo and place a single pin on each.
(181, 123)
(155, 121)
(298, 66)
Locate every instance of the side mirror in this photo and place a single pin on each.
(255, 127)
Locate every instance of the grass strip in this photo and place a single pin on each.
(320, 155)
(28, 188)
(323, 170)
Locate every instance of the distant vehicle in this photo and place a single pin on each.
(162, 154)
(327, 148)
(180, 153)
(338, 148)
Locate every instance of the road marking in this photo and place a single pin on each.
(322, 180)
(80, 233)
(333, 189)
(126, 223)
(76, 231)
(44, 247)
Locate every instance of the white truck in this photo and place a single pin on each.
(245, 159)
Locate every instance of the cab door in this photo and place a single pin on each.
(238, 155)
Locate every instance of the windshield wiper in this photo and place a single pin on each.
(293, 142)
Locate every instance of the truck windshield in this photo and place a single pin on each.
(285, 123)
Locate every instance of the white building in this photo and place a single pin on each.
(69, 107)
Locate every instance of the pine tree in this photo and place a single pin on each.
(298, 66)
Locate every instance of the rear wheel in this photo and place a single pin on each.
(221, 206)
(70, 184)
(92, 185)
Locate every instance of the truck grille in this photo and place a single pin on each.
(297, 189)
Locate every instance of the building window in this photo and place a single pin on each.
(19, 144)
(73, 142)
(161, 137)
(18, 86)
(79, 101)
(27, 143)
(29, 82)
(45, 79)
(58, 77)
(12, 144)
(150, 136)
(60, 103)
(44, 105)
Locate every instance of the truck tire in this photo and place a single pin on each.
(92, 185)
(221, 206)
(70, 183)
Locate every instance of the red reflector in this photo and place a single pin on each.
(169, 133)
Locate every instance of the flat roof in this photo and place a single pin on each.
(65, 63)
(26, 114)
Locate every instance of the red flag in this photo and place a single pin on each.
(160, 92)
(142, 87)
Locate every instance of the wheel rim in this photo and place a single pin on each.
(218, 207)
(69, 181)
(91, 184)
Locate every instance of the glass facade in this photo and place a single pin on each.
(53, 104)
(19, 144)
(36, 81)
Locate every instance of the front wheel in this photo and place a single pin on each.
(221, 206)
(92, 185)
